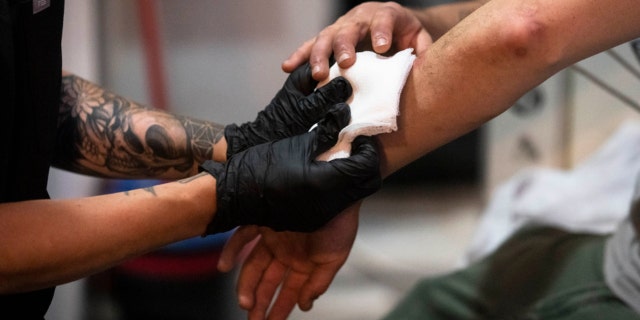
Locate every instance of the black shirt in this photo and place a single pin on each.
(30, 74)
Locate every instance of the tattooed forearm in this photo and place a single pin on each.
(189, 179)
(150, 190)
(103, 134)
(202, 136)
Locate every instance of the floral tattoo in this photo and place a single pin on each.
(103, 134)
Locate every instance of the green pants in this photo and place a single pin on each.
(541, 273)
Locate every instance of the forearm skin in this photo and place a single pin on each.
(480, 67)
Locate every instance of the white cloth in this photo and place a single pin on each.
(377, 83)
(593, 197)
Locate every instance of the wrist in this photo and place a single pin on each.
(203, 196)
(220, 150)
(224, 217)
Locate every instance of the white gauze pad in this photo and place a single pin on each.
(377, 82)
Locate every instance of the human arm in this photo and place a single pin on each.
(490, 59)
(50, 242)
(104, 134)
(438, 19)
(480, 67)
(278, 184)
(107, 135)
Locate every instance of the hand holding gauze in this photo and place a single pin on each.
(377, 83)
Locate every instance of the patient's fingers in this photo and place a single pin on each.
(271, 279)
(382, 26)
(298, 57)
(288, 295)
(344, 44)
(233, 248)
(251, 274)
(320, 52)
(316, 285)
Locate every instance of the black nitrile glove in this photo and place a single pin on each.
(280, 184)
(293, 111)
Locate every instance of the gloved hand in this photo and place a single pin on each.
(280, 184)
(293, 111)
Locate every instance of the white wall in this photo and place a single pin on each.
(222, 57)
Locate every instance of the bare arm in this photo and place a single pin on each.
(112, 136)
(488, 54)
(49, 242)
(487, 61)
(437, 20)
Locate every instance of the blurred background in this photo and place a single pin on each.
(220, 60)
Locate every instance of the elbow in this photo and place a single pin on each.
(526, 36)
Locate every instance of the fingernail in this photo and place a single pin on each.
(244, 301)
(381, 42)
(223, 266)
(315, 69)
(343, 57)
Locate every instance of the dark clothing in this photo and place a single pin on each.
(30, 74)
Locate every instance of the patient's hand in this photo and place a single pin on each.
(304, 264)
(389, 25)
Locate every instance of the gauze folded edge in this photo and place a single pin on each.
(377, 83)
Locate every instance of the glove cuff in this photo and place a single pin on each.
(212, 167)
(236, 140)
(249, 134)
(222, 221)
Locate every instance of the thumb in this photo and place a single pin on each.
(301, 81)
(363, 166)
(326, 134)
(315, 105)
(364, 156)
(363, 161)
(337, 90)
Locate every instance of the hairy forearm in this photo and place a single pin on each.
(439, 19)
(103, 134)
(49, 242)
(486, 62)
